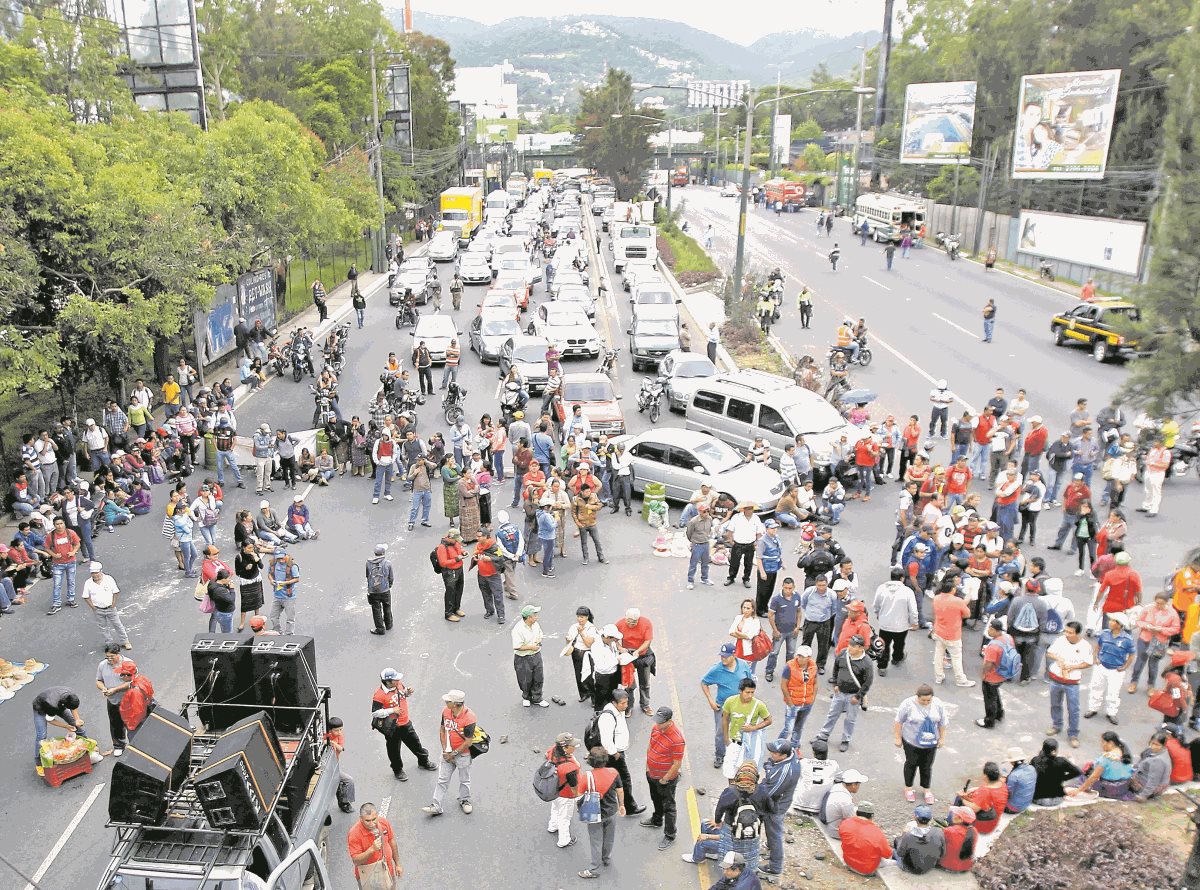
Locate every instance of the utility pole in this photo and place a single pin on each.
(862, 75)
(990, 155)
(885, 52)
(717, 115)
(670, 167)
(739, 262)
(379, 246)
(774, 118)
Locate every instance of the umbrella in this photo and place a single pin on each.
(858, 396)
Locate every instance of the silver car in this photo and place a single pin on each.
(489, 332)
(684, 372)
(682, 460)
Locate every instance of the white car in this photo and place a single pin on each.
(417, 262)
(685, 371)
(435, 331)
(564, 278)
(682, 460)
(636, 270)
(729, 190)
(652, 292)
(474, 268)
(443, 247)
(567, 326)
(580, 294)
(512, 265)
(490, 331)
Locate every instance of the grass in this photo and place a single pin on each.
(329, 265)
(681, 252)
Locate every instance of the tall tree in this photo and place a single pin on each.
(618, 147)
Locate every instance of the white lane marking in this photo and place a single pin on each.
(304, 496)
(953, 325)
(876, 283)
(385, 805)
(64, 837)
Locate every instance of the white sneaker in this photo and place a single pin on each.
(1079, 573)
(525, 703)
(388, 497)
(543, 704)
(117, 752)
(687, 857)
(374, 500)
(691, 586)
(966, 684)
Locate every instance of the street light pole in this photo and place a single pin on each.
(862, 73)
(774, 121)
(670, 166)
(739, 263)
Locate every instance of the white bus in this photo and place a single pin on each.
(886, 214)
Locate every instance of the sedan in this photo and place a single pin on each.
(474, 268)
(639, 270)
(519, 265)
(579, 294)
(566, 277)
(443, 247)
(500, 301)
(683, 460)
(528, 356)
(436, 331)
(567, 326)
(489, 332)
(419, 281)
(685, 371)
(515, 282)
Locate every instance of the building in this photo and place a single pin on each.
(162, 50)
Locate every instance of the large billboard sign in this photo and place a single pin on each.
(1064, 124)
(716, 93)
(781, 139)
(1114, 245)
(939, 119)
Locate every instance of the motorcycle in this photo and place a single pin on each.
(864, 354)
(323, 399)
(1185, 455)
(406, 315)
(276, 360)
(608, 362)
(949, 242)
(512, 399)
(1046, 270)
(650, 396)
(297, 351)
(452, 403)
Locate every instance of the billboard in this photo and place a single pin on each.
(781, 139)
(1064, 124)
(1114, 245)
(716, 93)
(256, 296)
(939, 119)
(496, 130)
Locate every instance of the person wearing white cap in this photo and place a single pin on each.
(389, 716)
(840, 803)
(1114, 654)
(100, 592)
(941, 398)
(527, 639)
(456, 735)
(605, 654)
(262, 445)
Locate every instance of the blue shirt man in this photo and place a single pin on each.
(781, 774)
(1114, 649)
(725, 675)
(818, 602)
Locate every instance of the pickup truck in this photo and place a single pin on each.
(1093, 325)
(633, 241)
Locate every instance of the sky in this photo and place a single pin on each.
(837, 17)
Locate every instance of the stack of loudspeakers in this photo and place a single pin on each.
(223, 678)
(242, 775)
(284, 674)
(154, 766)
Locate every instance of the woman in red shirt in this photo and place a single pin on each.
(986, 801)
(960, 840)
(910, 438)
(918, 470)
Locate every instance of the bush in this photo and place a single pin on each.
(680, 252)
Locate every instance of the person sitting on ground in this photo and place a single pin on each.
(1108, 774)
(864, 846)
(922, 845)
(1052, 772)
(960, 835)
(986, 800)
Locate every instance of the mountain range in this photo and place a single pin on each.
(553, 57)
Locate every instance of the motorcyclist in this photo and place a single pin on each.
(846, 341)
(765, 310)
(839, 376)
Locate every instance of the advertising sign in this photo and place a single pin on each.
(1064, 124)
(495, 130)
(781, 139)
(939, 119)
(256, 296)
(716, 93)
(1111, 244)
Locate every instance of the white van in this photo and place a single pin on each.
(738, 407)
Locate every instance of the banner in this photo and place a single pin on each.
(939, 119)
(781, 139)
(716, 93)
(1114, 245)
(1065, 124)
(256, 296)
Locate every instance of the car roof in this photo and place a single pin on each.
(674, 435)
(474, 256)
(437, 325)
(528, 340)
(492, 313)
(586, 377)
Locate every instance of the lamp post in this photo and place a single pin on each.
(739, 263)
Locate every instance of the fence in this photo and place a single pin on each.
(327, 264)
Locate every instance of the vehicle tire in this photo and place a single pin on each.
(529, 330)
(452, 414)
(1100, 351)
(654, 411)
(297, 373)
(397, 322)
(1059, 339)
(864, 357)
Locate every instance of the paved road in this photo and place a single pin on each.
(475, 656)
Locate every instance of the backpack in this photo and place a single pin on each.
(433, 558)
(927, 733)
(591, 735)
(1026, 620)
(1009, 665)
(545, 781)
(746, 824)
(377, 577)
(1054, 622)
(507, 536)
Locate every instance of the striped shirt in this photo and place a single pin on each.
(452, 354)
(666, 746)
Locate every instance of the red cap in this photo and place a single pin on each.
(127, 668)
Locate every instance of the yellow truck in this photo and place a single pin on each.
(542, 174)
(462, 212)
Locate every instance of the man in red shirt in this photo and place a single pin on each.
(64, 544)
(606, 782)
(389, 716)
(949, 613)
(958, 477)
(993, 705)
(1074, 496)
(1034, 446)
(372, 840)
(866, 455)
(982, 435)
(1120, 587)
(1008, 492)
(864, 845)
(456, 736)
(450, 560)
(664, 759)
(636, 635)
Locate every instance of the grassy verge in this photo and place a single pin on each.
(682, 254)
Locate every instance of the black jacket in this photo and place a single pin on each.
(843, 678)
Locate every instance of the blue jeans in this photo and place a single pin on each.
(719, 742)
(773, 822)
(220, 622)
(787, 641)
(605, 487)
(1059, 691)
(689, 512)
(866, 479)
(188, 549)
(834, 512)
(1086, 470)
(360, 315)
(794, 718)
(96, 458)
(208, 533)
(64, 573)
(548, 546)
(1029, 463)
(1056, 486)
(41, 731)
(498, 465)
(960, 451)
(226, 458)
(422, 500)
(840, 706)
(518, 478)
(979, 460)
(953, 499)
(700, 556)
(1145, 658)
(85, 539)
(1006, 518)
(383, 476)
(788, 519)
(989, 325)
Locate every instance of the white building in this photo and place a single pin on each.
(485, 91)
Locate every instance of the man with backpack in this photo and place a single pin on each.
(389, 716)
(1001, 662)
(556, 781)
(447, 559)
(511, 544)
(379, 590)
(609, 730)
(1026, 617)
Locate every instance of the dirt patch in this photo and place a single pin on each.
(1118, 846)
(804, 842)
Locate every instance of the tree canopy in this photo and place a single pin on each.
(618, 147)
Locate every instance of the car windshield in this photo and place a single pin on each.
(421, 263)
(530, 354)
(559, 315)
(500, 327)
(717, 456)
(588, 391)
(634, 232)
(656, 326)
(813, 418)
(575, 293)
(515, 263)
(654, 297)
(698, 367)
(413, 276)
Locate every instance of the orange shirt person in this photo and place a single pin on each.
(372, 840)
(1087, 293)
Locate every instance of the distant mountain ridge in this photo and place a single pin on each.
(553, 57)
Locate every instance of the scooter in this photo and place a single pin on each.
(608, 362)
(512, 399)
(650, 396)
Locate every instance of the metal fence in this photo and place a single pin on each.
(327, 264)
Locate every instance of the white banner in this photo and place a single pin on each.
(716, 93)
(1064, 124)
(782, 139)
(243, 446)
(1111, 244)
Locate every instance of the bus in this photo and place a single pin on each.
(886, 214)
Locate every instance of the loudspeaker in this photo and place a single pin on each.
(303, 764)
(285, 677)
(155, 764)
(221, 672)
(242, 775)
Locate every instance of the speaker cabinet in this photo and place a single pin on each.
(242, 775)
(284, 669)
(154, 765)
(221, 671)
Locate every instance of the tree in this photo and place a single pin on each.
(807, 130)
(941, 187)
(813, 158)
(618, 147)
(1168, 378)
